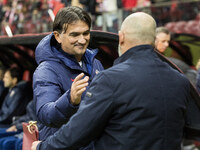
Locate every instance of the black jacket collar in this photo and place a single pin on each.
(137, 50)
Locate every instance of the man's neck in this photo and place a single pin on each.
(78, 58)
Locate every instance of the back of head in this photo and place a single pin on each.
(69, 15)
(139, 28)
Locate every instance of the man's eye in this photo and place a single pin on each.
(74, 35)
(86, 33)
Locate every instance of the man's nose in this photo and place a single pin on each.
(82, 39)
(166, 44)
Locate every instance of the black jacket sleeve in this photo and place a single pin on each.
(90, 120)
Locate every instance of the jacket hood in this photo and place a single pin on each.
(43, 50)
(48, 51)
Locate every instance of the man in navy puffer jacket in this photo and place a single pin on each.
(65, 69)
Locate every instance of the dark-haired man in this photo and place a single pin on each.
(3, 90)
(63, 60)
(17, 97)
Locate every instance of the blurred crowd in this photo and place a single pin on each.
(36, 16)
(24, 16)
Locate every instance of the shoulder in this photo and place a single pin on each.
(46, 71)
(112, 74)
(181, 80)
(98, 63)
(45, 66)
(53, 66)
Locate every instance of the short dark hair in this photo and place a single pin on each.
(2, 72)
(15, 72)
(69, 15)
(3, 69)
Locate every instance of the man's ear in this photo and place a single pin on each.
(121, 37)
(57, 36)
(14, 80)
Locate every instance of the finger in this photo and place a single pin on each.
(77, 88)
(80, 92)
(85, 79)
(82, 81)
(79, 77)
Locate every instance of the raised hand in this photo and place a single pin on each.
(78, 87)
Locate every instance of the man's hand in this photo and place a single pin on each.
(77, 88)
(34, 145)
(11, 129)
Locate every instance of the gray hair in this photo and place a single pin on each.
(162, 30)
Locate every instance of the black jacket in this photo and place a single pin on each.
(15, 102)
(138, 104)
(3, 92)
(52, 82)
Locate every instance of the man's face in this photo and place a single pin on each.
(8, 80)
(76, 39)
(162, 42)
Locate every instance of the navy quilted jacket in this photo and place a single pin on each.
(52, 82)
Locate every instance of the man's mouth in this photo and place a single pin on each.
(80, 46)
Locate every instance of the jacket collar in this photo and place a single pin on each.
(134, 51)
(49, 50)
(71, 62)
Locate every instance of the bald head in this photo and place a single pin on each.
(140, 26)
(137, 29)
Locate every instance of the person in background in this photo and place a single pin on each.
(12, 135)
(132, 105)
(3, 90)
(2, 72)
(162, 39)
(65, 68)
(30, 115)
(110, 14)
(17, 97)
(162, 43)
